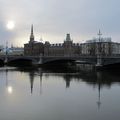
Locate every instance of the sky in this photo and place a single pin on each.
(53, 19)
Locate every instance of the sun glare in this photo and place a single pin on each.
(10, 89)
(10, 25)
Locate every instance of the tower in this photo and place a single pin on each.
(32, 35)
(68, 46)
(68, 37)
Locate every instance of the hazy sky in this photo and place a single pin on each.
(52, 19)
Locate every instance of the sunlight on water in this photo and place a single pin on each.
(10, 89)
(58, 94)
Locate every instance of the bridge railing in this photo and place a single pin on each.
(75, 55)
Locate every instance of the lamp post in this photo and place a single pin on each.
(99, 61)
(99, 48)
(6, 53)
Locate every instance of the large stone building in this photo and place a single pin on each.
(102, 46)
(33, 48)
(67, 48)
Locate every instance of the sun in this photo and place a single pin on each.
(10, 25)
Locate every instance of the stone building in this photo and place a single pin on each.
(33, 48)
(67, 48)
(102, 46)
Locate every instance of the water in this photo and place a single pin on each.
(73, 93)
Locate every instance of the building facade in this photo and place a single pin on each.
(33, 48)
(102, 46)
(67, 48)
(17, 51)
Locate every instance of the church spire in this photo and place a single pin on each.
(32, 29)
(32, 35)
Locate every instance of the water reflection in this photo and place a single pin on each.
(31, 77)
(10, 89)
(91, 77)
(97, 79)
(99, 96)
(8, 86)
(84, 94)
(41, 74)
(94, 78)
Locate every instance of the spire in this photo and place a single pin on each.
(32, 29)
(32, 35)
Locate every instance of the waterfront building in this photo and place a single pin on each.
(94, 47)
(16, 51)
(67, 48)
(12, 51)
(33, 48)
(104, 47)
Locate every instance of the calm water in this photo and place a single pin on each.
(59, 94)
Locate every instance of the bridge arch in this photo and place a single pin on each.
(20, 61)
(57, 60)
(69, 59)
(1, 62)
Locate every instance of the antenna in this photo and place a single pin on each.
(99, 34)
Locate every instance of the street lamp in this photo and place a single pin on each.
(99, 43)
(99, 61)
(6, 53)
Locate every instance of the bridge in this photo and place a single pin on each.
(98, 61)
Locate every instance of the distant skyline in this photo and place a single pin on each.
(53, 19)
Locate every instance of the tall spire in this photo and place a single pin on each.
(32, 29)
(32, 35)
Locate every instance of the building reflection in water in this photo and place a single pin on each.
(99, 89)
(67, 80)
(8, 86)
(41, 74)
(32, 75)
(97, 79)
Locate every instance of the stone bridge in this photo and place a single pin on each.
(95, 60)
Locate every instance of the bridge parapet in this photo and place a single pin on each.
(96, 60)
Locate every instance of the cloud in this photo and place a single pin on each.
(55, 18)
